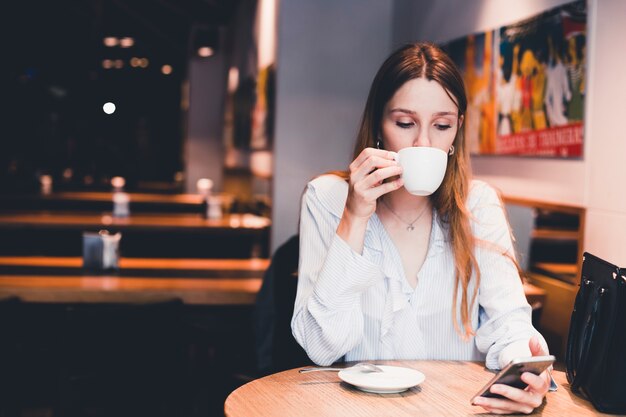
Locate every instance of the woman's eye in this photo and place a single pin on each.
(404, 125)
(440, 126)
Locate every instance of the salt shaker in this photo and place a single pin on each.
(46, 184)
(204, 186)
(121, 200)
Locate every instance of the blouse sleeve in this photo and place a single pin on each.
(328, 318)
(505, 325)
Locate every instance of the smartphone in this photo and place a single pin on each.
(512, 373)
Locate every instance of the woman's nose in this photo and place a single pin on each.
(422, 138)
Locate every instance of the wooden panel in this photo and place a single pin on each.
(543, 204)
(557, 310)
(555, 234)
(564, 272)
(566, 269)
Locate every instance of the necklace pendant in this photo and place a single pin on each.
(410, 228)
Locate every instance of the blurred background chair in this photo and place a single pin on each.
(276, 348)
(522, 222)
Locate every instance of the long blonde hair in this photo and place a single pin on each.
(424, 60)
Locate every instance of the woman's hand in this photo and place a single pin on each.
(519, 400)
(367, 174)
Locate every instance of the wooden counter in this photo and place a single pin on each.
(194, 281)
(235, 223)
(103, 201)
(145, 235)
(201, 268)
(107, 288)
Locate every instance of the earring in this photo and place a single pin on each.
(451, 150)
(378, 144)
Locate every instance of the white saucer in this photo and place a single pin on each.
(392, 380)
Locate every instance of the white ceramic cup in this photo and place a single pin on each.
(423, 168)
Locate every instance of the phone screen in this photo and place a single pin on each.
(512, 373)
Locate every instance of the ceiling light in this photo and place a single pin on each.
(108, 108)
(166, 69)
(205, 51)
(205, 41)
(110, 41)
(118, 182)
(127, 42)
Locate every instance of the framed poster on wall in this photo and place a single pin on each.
(526, 85)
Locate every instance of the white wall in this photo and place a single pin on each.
(598, 181)
(605, 232)
(328, 53)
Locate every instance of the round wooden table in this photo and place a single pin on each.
(447, 391)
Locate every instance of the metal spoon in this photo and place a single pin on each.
(361, 366)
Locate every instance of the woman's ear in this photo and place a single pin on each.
(461, 118)
(379, 141)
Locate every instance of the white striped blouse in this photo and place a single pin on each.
(361, 306)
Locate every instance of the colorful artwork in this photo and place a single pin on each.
(526, 85)
(474, 57)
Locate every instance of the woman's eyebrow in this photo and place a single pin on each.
(411, 112)
(401, 110)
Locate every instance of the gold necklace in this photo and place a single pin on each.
(409, 225)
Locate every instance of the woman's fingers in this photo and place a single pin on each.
(370, 165)
(516, 400)
(523, 396)
(373, 186)
(370, 152)
(386, 187)
(363, 195)
(503, 406)
(369, 159)
(537, 383)
(376, 177)
(519, 400)
(368, 173)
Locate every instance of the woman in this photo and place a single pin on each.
(385, 274)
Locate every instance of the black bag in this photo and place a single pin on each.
(596, 345)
